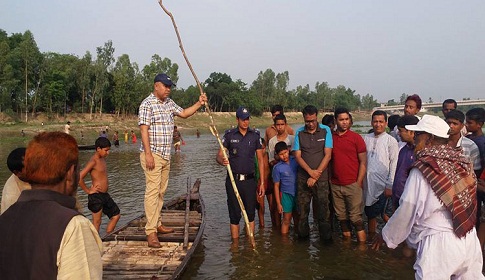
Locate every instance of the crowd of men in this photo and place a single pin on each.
(419, 175)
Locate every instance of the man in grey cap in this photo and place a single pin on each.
(242, 144)
(437, 210)
(156, 121)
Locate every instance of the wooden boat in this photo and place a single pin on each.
(86, 147)
(126, 254)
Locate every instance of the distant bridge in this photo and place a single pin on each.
(426, 106)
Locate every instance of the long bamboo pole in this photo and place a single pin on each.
(212, 127)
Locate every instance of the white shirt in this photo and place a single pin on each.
(382, 154)
(274, 140)
(420, 214)
(79, 255)
(11, 191)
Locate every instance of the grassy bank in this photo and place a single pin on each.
(11, 130)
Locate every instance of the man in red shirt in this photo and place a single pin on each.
(349, 158)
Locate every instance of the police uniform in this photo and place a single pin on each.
(241, 153)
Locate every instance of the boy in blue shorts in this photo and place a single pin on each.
(284, 178)
(99, 200)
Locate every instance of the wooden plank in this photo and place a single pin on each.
(126, 254)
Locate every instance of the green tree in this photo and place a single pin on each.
(124, 77)
(104, 59)
(31, 58)
(84, 69)
(281, 92)
(158, 65)
(265, 87)
(324, 97)
(391, 102)
(345, 97)
(368, 102)
(402, 99)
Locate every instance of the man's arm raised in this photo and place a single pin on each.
(192, 109)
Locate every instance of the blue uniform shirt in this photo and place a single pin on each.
(242, 149)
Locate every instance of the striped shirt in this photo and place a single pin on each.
(471, 152)
(159, 117)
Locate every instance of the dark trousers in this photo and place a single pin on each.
(247, 191)
(319, 194)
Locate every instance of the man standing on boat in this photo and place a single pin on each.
(242, 144)
(156, 121)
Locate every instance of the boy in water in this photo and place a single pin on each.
(177, 139)
(284, 177)
(116, 139)
(98, 197)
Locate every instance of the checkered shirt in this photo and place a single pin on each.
(159, 116)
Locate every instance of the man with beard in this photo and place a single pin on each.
(437, 210)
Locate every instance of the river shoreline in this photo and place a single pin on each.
(91, 126)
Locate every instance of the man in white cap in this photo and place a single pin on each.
(437, 211)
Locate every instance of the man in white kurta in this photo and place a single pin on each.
(426, 224)
(438, 221)
(382, 155)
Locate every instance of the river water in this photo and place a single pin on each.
(274, 258)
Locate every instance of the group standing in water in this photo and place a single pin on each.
(422, 182)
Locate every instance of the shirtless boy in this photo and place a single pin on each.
(99, 201)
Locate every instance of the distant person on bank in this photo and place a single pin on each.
(42, 235)
(437, 210)
(67, 128)
(156, 121)
(177, 139)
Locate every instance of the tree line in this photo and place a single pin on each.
(58, 84)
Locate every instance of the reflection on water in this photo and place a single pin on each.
(275, 258)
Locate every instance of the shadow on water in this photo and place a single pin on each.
(275, 258)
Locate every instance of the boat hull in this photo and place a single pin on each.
(126, 254)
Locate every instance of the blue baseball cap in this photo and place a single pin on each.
(164, 79)
(242, 113)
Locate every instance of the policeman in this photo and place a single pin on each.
(242, 144)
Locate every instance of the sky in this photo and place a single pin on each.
(384, 48)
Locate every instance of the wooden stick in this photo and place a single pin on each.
(212, 127)
(187, 219)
